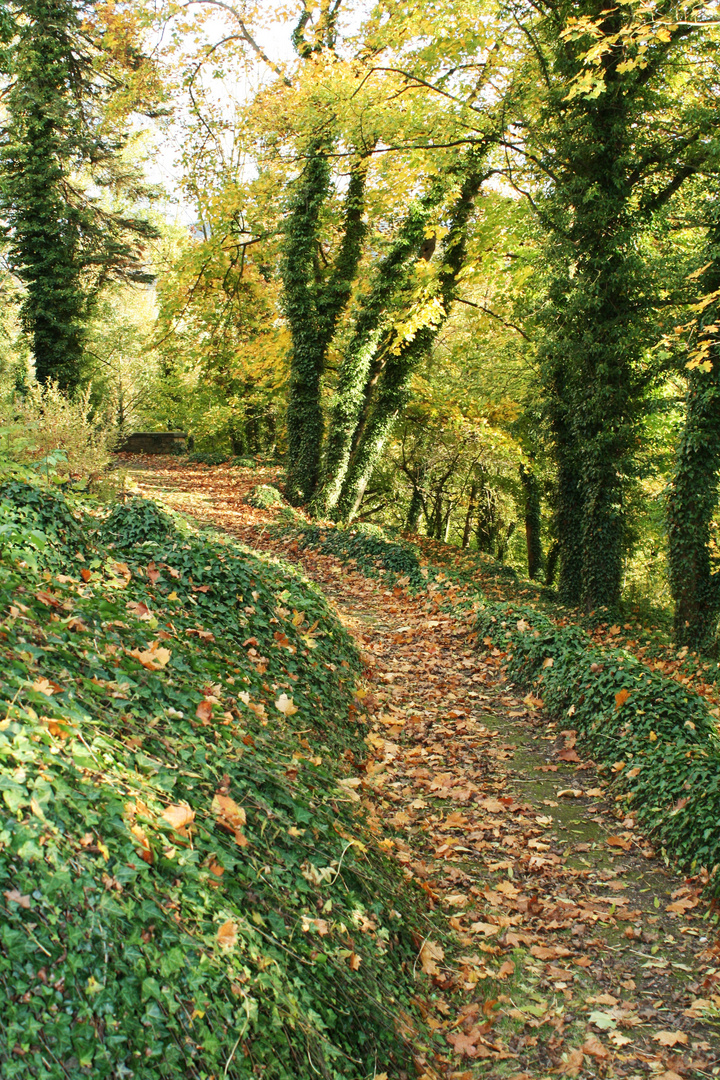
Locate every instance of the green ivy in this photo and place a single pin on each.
(660, 738)
(126, 948)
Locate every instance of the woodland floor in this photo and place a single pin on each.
(578, 952)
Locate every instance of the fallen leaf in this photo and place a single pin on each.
(153, 658)
(572, 1062)
(595, 1048)
(431, 952)
(684, 904)
(286, 705)
(204, 710)
(44, 686)
(139, 610)
(618, 841)
(227, 935)
(179, 817)
(14, 896)
(671, 1038)
(549, 952)
(506, 968)
(602, 1020)
(621, 697)
(230, 817)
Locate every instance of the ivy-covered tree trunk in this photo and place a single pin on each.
(470, 514)
(691, 504)
(533, 520)
(385, 400)
(603, 185)
(314, 299)
(60, 244)
(360, 367)
(693, 496)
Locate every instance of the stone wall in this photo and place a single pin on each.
(154, 442)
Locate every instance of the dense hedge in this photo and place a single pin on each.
(186, 887)
(660, 738)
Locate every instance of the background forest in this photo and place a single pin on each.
(456, 266)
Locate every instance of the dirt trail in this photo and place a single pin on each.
(578, 953)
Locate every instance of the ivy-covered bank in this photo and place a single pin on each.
(186, 887)
(659, 740)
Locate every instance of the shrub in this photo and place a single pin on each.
(137, 521)
(202, 457)
(58, 437)
(265, 497)
(368, 547)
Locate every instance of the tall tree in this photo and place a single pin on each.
(611, 148)
(64, 241)
(693, 496)
(315, 297)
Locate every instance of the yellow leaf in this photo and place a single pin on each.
(227, 935)
(286, 705)
(153, 658)
(178, 816)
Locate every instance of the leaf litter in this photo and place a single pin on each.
(573, 951)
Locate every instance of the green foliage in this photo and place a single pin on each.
(368, 548)
(660, 738)
(265, 496)
(138, 521)
(149, 928)
(208, 457)
(62, 241)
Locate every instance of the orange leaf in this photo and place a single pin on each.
(231, 817)
(204, 710)
(227, 935)
(179, 816)
(153, 658)
(621, 697)
(429, 954)
(670, 1038)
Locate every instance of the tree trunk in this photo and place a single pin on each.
(393, 389)
(694, 494)
(533, 521)
(362, 360)
(470, 514)
(313, 304)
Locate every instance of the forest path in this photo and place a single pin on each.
(578, 953)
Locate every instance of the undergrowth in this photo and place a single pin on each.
(366, 548)
(658, 739)
(186, 886)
